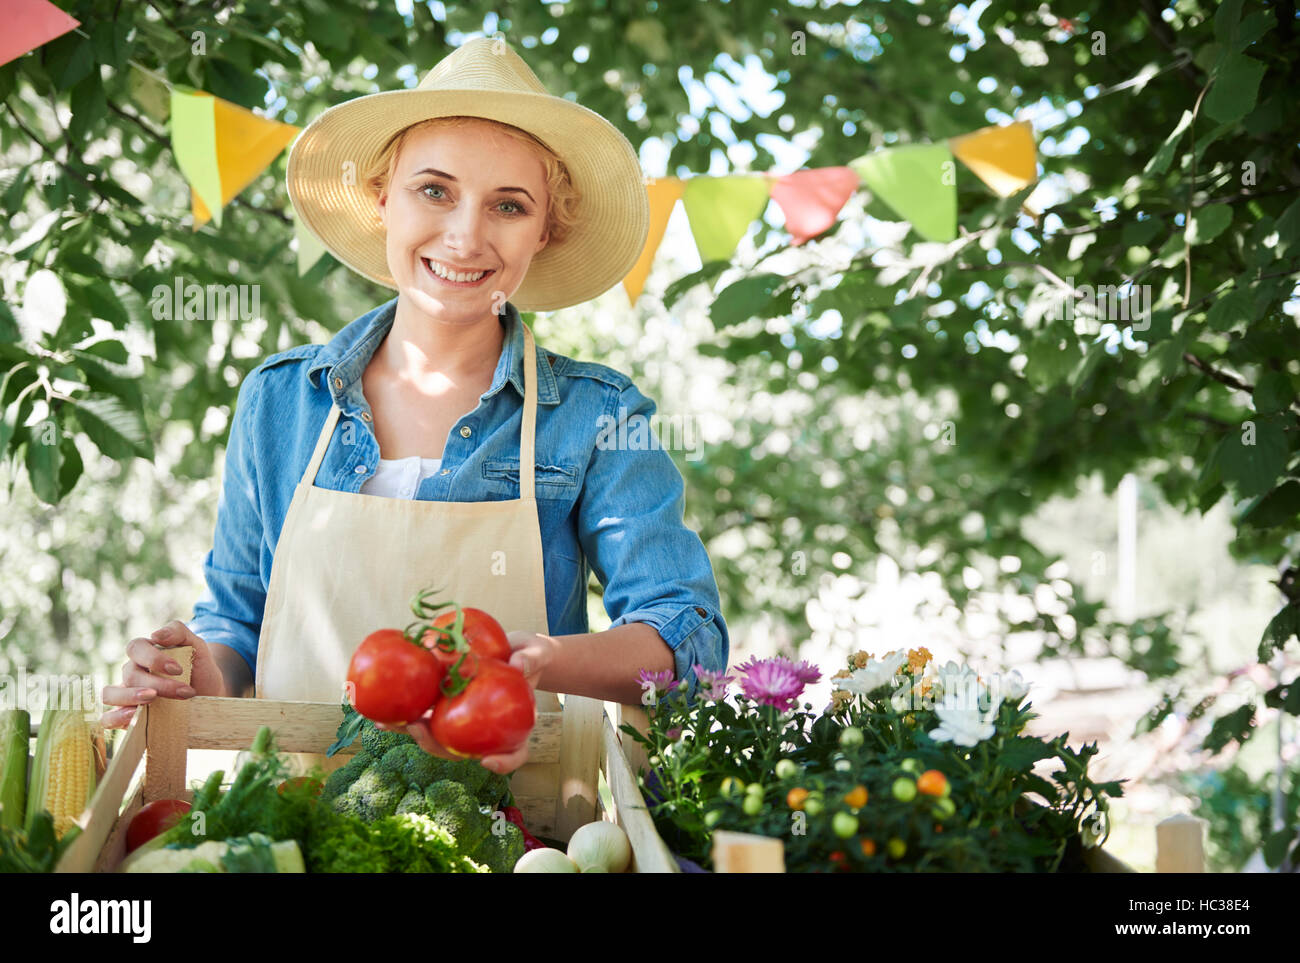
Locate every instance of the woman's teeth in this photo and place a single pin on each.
(458, 277)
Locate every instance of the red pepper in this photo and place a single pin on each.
(531, 842)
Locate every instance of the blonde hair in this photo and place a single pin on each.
(561, 217)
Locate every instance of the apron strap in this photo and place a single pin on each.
(309, 476)
(528, 428)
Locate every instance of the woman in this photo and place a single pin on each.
(431, 441)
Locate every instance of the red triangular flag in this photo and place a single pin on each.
(30, 24)
(811, 199)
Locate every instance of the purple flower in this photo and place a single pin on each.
(807, 672)
(772, 682)
(661, 682)
(714, 683)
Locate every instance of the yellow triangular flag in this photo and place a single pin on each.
(664, 194)
(221, 147)
(1004, 158)
(721, 209)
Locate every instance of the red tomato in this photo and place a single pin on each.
(153, 819)
(393, 681)
(484, 634)
(493, 715)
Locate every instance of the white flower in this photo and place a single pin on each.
(876, 673)
(961, 725)
(1010, 686)
(956, 684)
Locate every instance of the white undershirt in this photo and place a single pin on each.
(400, 477)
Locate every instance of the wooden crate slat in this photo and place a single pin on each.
(649, 853)
(579, 763)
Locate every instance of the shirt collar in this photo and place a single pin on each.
(346, 355)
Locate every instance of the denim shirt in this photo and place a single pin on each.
(613, 510)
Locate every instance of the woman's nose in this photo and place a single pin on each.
(464, 230)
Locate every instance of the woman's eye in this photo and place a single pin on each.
(432, 187)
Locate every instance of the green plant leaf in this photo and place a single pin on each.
(1253, 464)
(1208, 223)
(115, 429)
(1236, 86)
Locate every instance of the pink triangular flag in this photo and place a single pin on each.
(812, 199)
(29, 24)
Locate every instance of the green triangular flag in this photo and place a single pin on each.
(194, 142)
(309, 248)
(720, 210)
(919, 182)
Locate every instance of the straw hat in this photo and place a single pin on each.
(484, 77)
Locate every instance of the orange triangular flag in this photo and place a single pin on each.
(30, 24)
(664, 193)
(246, 146)
(1004, 158)
(812, 199)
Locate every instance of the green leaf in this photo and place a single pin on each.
(1273, 392)
(45, 460)
(747, 298)
(1236, 726)
(1281, 629)
(1277, 508)
(1230, 309)
(89, 107)
(71, 468)
(1208, 223)
(115, 429)
(1236, 87)
(706, 274)
(1253, 458)
(1160, 160)
(8, 324)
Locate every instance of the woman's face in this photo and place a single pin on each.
(463, 200)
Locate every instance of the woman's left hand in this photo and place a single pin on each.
(531, 654)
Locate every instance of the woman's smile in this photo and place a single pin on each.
(444, 274)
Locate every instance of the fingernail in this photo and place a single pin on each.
(145, 693)
(171, 667)
(186, 691)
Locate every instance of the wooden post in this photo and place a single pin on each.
(747, 853)
(1180, 844)
(167, 737)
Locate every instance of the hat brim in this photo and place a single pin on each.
(328, 159)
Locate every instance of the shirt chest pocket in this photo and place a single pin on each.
(551, 481)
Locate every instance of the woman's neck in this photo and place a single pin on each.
(439, 355)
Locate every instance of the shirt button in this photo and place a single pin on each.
(701, 611)
(338, 382)
(365, 416)
(465, 431)
(360, 469)
(445, 471)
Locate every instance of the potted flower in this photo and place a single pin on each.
(911, 767)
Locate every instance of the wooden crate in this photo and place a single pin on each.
(570, 748)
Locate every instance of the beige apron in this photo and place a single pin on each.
(349, 563)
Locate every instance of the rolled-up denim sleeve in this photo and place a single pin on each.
(654, 568)
(229, 611)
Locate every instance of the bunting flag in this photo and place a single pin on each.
(918, 182)
(310, 250)
(811, 200)
(664, 194)
(150, 92)
(721, 209)
(29, 24)
(221, 148)
(1004, 158)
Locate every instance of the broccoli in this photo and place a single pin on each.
(376, 742)
(501, 848)
(337, 782)
(374, 794)
(418, 769)
(451, 807)
(412, 802)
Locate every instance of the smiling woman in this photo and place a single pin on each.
(479, 195)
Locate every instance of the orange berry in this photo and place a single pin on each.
(856, 798)
(796, 797)
(932, 783)
(868, 847)
(938, 828)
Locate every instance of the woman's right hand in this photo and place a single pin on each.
(150, 671)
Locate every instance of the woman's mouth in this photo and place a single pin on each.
(455, 279)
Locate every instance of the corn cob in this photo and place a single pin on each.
(15, 730)
(69, 762)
